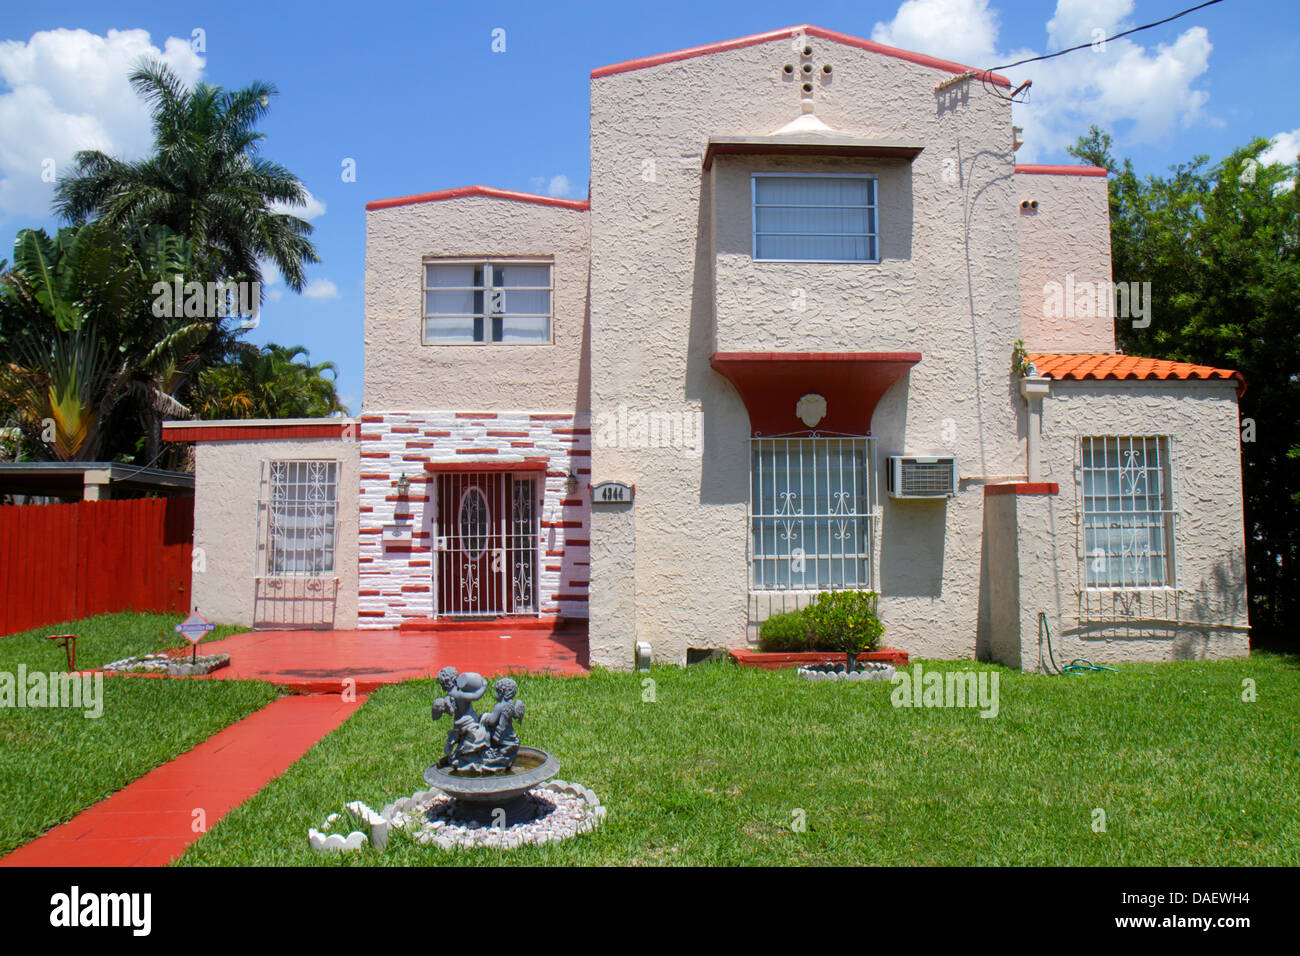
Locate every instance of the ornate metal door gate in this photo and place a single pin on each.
(487, 544)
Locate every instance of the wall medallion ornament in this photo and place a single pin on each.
(811, 409)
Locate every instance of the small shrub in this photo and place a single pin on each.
(787, 633)
(846, 621)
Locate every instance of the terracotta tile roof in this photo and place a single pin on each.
(1116, 366)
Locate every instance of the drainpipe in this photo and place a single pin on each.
(1034, 388)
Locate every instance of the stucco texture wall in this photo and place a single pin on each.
(1068, 234)
(1205, 615)
(403, 373)
(228, 475)
(947, 288)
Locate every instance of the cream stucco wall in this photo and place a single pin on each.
(227, 476)
(403, 373)
(946, 288)
(1065, 239)
(1205, 615)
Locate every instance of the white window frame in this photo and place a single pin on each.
(754, 206)
(811, 504)
(1131, 577)
(487, 262)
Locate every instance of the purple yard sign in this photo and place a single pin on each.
(194, 627)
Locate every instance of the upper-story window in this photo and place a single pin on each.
(471, 301)
(815, 217)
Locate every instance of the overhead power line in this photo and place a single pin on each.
(1081, 46)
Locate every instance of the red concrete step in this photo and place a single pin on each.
(510, 623)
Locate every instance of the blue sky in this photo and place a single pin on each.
(415, 95)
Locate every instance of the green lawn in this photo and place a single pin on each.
(100, 640)
(716, 770)
(56, 762)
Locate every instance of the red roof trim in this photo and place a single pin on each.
(1023, 488)
(912, 357)
(258, 432)
(490, 192)
(1062, 170)
(740, 42)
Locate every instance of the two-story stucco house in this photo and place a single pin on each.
(771, 355)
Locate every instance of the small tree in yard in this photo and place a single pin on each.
(847, 621)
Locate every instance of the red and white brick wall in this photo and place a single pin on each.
(396, 582)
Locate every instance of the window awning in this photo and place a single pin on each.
(772, 385)
(808, 144)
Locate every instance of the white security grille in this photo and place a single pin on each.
(1125, 483)
(295, 582)
(812, 513)
(487, 544)
(301, 515)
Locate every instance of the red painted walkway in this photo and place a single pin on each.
(151, 821)
(318, 662)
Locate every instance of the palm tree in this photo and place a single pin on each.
(270, 382)
(80, 339)
(205, 181)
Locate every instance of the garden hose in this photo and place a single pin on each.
(1079, 665)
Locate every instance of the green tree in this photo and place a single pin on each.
(205, 181)
(79, 338)
(1093, 149)
(271, 382)
(1220, 245)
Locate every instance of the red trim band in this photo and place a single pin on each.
(490, 192)
(528, 464)
(252, 432)
(1023, 488)
(740, 42)
(1062, 170)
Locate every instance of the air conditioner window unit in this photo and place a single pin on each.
(917, 476)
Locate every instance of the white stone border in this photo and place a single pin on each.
(868, 670)
(427, 816)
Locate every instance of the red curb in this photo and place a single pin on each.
(775, 660)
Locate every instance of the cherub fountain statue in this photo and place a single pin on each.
(484, 744)
(483, 765)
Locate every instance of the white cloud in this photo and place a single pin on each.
(961, 30)
(1138, 93)
(1284, 148)
(1076, 21)
(320, 289)
(66, 90)
(314, 209)
(555, 185)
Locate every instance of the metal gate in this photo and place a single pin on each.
(487, 544)
(295, 584)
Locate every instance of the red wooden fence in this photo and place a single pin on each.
(64, 562)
